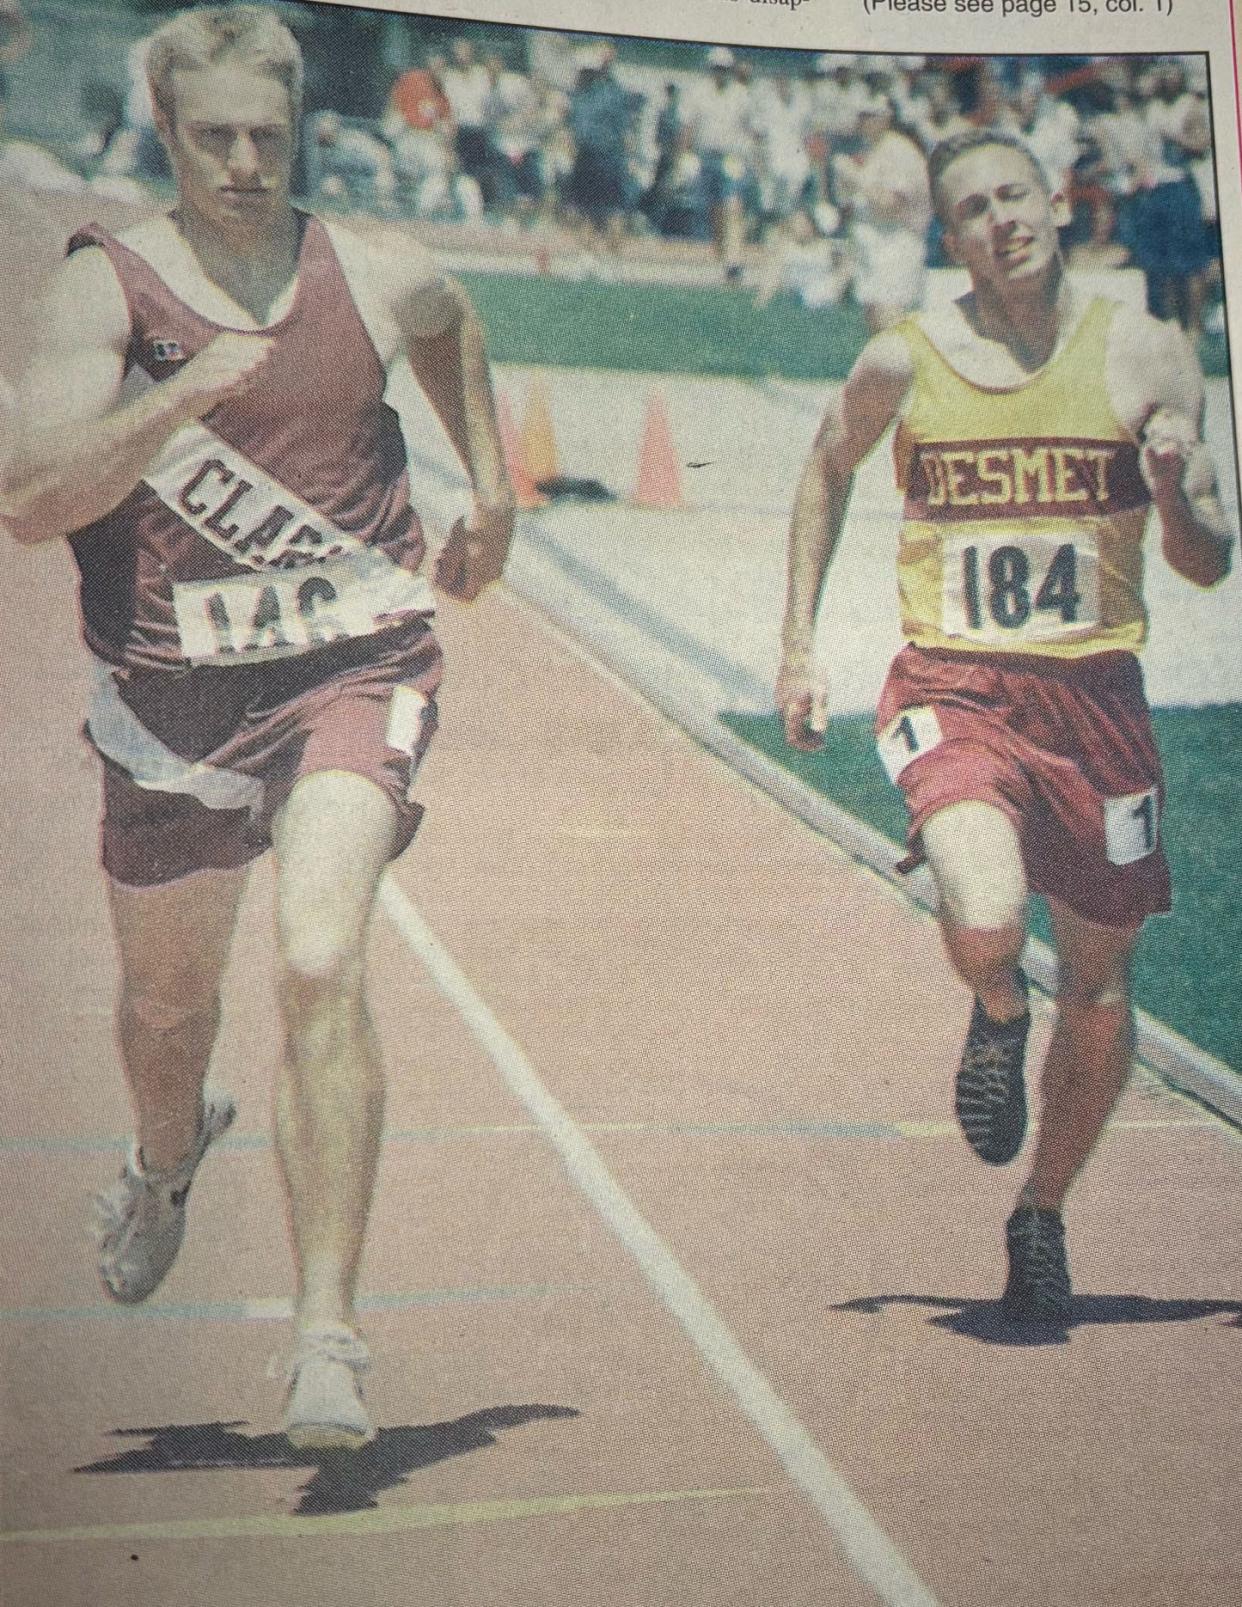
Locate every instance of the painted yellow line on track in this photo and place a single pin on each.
(1152, 1124)
(377, 1521)
(1160, 1124)
(865, 1129)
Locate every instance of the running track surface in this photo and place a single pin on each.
(681, 1284)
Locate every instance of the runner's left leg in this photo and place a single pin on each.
(333, 839)
(1090, 1053)
(1086, 1068)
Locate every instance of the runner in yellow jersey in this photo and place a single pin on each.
(1037, 429)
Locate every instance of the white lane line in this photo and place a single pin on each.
(869, 1551)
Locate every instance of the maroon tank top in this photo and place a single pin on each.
(233, 544)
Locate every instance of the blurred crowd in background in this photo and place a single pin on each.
(797, 175)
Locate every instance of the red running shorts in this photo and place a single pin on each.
(197, 761)
(1063, 747)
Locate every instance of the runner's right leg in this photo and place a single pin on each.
(172, 943)
(976, 859)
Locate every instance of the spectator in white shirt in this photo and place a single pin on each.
(716, 115)
(1047, 127)
(466, 87)
(783, 165)
(935, 111)
(885, 188)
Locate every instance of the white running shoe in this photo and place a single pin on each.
(324, 1410)
(140, 1220)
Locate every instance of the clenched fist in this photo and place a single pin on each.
(474, 554)
(1168, 440)
(802, 700)
(226, 368)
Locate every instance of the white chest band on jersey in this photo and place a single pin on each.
(251, 618)
(238, 506)
(312, 583)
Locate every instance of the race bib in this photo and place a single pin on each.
(1008, 588)
(253, 617)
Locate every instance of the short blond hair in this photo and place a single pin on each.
(951, 150)
(250, 36)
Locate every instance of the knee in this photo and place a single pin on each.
(976, 861)
(167, 1006)
(989, 911)
(318, 967)
(1082, 989)
(983, 957)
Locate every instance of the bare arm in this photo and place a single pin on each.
(77, 451)
(1194, 534)
(855, 419)
(444, 339)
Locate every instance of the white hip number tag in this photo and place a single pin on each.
(913, 733)
(1131, 827)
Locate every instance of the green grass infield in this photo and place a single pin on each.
(669, 329)
(1186, 965)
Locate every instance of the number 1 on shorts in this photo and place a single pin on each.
(1131, 826)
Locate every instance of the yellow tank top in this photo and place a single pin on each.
(1024, 508)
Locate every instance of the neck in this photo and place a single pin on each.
(265, 248)
(253, 265)
(1027, 318)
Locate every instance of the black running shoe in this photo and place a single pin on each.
(990, 1095)
(1038, 1289)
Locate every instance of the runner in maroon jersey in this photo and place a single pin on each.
(204, 420)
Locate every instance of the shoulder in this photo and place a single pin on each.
(83, 302)
(888, 356)
(148, 234)
(401, 290)
(881, 376)
(1142, 345)
(392, 264)
(1134, 333)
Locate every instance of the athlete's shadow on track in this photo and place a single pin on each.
(343, 1481)
(985, 1321)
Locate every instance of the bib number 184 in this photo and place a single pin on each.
(1033, 588)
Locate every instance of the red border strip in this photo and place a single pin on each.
(1237, 85)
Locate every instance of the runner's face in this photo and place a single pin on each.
(1000, 221)
(231, 144)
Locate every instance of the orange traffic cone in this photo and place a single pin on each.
(524, 491)
(538, 437)
(659, 473)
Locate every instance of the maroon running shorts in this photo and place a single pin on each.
(197, 761)
(1063, 747)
